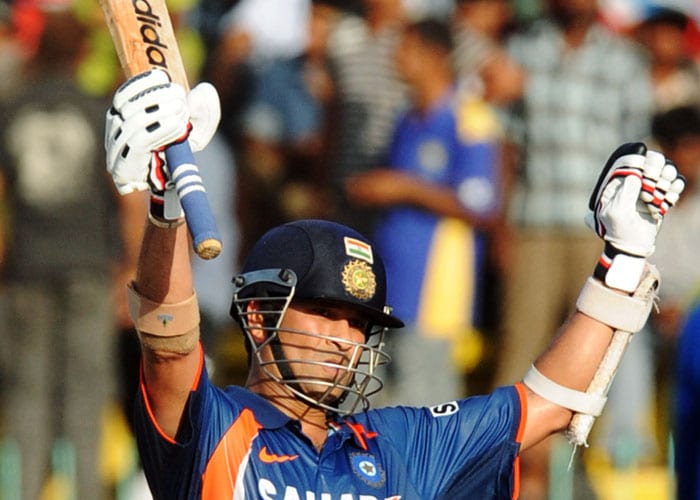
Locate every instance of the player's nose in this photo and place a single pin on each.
(347, 333)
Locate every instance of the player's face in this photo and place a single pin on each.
(319, 343)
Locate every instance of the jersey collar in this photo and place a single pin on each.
(349, 429)
(271, 418)
(265, 413)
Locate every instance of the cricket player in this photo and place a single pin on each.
(310, 300)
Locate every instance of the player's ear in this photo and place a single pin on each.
(255, 320)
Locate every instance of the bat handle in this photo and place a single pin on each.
(193, 197)
(581, 424)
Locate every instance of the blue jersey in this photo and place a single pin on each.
(432, 262)
(233, 444)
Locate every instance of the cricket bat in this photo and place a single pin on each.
(144, 39)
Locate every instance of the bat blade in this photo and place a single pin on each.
(144, 39)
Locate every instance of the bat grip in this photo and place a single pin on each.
(193, 198)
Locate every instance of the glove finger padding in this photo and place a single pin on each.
(138, 84)
(653, 166)
(157, 117)
(148, 113)
(667, 190)
(126, 179)
(674, 191)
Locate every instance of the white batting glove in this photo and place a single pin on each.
(630, 199)
(148, 113)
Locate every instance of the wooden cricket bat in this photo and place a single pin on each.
(144, 39)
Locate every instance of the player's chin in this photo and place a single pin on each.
(326, 391)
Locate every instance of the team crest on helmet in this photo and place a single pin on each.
(359, 279)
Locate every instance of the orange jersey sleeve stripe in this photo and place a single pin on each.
(520, 387)
(219, 478)
(198, 376)
(147, 403)
(519, 438)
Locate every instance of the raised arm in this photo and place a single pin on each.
(149, 113)
(164, 289)
(629, 202)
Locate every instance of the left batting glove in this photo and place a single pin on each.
(630, 199)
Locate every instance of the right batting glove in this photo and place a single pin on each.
(149, 113)
(628, 204)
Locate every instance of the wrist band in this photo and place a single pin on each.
(165, 224)
(578, 401)
(618, 269)
(164, 207)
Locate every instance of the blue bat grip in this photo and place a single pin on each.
(193, 198)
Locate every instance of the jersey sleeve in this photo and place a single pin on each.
(461, 449)
(174, 466)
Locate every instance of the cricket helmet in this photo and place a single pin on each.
(328, 263)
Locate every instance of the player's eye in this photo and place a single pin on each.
(321, 311)
(359, 323)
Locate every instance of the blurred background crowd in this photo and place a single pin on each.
(463, 136)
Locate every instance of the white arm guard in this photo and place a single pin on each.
(580, 402)
(617, 310)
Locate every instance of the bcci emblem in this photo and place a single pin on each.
(359, 279)
(365, 467)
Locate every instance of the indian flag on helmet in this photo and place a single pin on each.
(358, 249)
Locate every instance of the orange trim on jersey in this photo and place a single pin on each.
(522, 395)
(221, 473)
(149, 410)
(519, 437)
(147, 403)
(516, 477)
(361, 433)
(198, 375)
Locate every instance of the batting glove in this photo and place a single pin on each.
(149, 113)
(633, 193)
